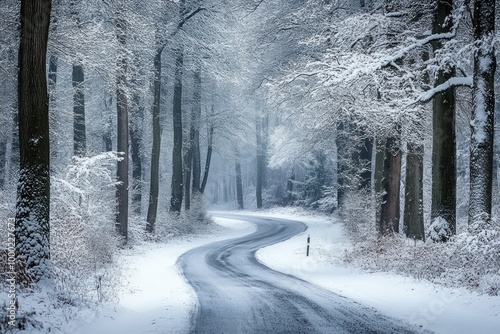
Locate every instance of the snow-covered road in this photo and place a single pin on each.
(238, 294)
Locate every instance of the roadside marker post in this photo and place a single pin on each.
(308, 241)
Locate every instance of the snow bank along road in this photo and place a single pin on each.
(238, 294)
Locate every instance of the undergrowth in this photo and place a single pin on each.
(469, 259)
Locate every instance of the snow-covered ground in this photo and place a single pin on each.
(155, 296)
(419, 302)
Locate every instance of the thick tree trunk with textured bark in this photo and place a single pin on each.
(32, 226)
(413, 214)
(444, 179)
(155, 151)
(482, 130)
(177, 175)
(122, 132)
(389, 212)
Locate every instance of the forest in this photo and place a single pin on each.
(125, 121)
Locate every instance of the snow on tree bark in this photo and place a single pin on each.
(481, 145)
(444, 178)
(122, 132)
(32, 225)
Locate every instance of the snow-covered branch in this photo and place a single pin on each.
(453, 82)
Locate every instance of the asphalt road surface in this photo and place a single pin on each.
(238, 294)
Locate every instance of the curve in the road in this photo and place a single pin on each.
(238, 294)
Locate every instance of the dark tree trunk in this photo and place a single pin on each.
(413, 213)
(188, 160)
(364, 163)
(239, 184)
(79, 133)
(135, 150)
(106, 137)
(389, 213)
(32, 226)
(482, 130)
(177, 176)
(192, 157)
(289, 189)
(225, 189)
(195, 126)
(342, 158)
(261, 160)
(444, 174)
(122, 132)
(378, 176)
(155, 152)
(136, 124)
(208, 159)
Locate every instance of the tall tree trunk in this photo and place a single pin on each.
(389, 212)
(342, 158)
(188, 161)
(260, 171)
(177, 176)
(482, 130)
(136, 124)
(192, 157)
(79, 133)
(364, 162)
(225, 189)
(195, 126)
(135, 150)
(122, 131)
(108, 124)
(413, 214)
(208, 159)
(52, 84)
(32, 225)
(444, 174)
(239, 184)
(155, 152)
(378, 176)
(289, 189)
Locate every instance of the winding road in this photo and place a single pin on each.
(238, 294)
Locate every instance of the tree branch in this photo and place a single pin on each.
(453, 82)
